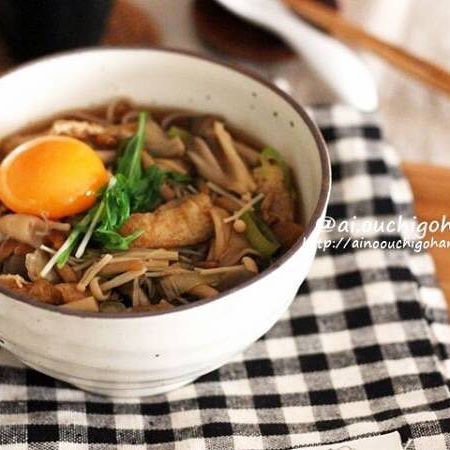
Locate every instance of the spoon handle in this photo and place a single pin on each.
(338, 66)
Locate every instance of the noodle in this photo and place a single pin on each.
(93, 271)
(248, 206)
(122, 279)
(191, 209)
(94, 287)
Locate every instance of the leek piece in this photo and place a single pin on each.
(112, 306)
(270, 154)
(260, 235)
(181, 133)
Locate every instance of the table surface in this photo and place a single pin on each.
(431, 189)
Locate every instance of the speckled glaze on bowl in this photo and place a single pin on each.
(142, 354)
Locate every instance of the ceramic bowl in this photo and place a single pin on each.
(142, 354)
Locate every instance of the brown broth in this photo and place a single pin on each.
(157, 113)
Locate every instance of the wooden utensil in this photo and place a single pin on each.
(333, 22)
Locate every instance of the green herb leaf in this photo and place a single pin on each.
(130, 162)
(115, 210)
(130, 190)
(178, 177)
(112, 240)
(116, 204)
(74, 237)
(145, 193)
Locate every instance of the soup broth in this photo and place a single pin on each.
(125, 208)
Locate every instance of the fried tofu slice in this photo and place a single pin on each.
(40, 290)
(278, 204)
(174, 224)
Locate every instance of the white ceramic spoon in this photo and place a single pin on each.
(337, 66)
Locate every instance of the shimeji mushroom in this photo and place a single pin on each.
(227, 170)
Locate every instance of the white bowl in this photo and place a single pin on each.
(142, 354)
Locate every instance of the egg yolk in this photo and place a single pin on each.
(54, 176)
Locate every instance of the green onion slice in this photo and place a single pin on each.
(181, 133)
(260, 235)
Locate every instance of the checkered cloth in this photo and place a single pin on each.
(363, 350)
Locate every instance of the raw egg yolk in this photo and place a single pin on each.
(55, 176)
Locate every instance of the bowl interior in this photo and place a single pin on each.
(165, 79)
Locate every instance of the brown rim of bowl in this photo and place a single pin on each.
(319, 209)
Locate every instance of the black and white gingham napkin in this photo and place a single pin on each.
(363, 350)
